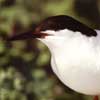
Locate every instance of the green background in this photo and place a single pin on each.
(25, 72)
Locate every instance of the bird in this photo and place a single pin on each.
(75, 51)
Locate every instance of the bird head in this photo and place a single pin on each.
(55, 28)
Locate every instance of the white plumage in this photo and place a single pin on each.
(75, 51)
(75, 59)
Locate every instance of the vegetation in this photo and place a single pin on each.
(25, 72)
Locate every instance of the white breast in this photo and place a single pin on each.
(76, 61)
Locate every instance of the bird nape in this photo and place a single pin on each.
(73, 48)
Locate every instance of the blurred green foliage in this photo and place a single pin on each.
(25, 72)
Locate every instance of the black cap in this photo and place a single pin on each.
(65, 22)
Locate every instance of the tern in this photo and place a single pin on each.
(75, 52)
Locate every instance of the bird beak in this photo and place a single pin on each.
(27, 35)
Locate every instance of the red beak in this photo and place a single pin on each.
(27, 35)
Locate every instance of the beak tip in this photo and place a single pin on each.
(26, 35)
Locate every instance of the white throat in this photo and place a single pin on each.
(60, 39)
(75, 59)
